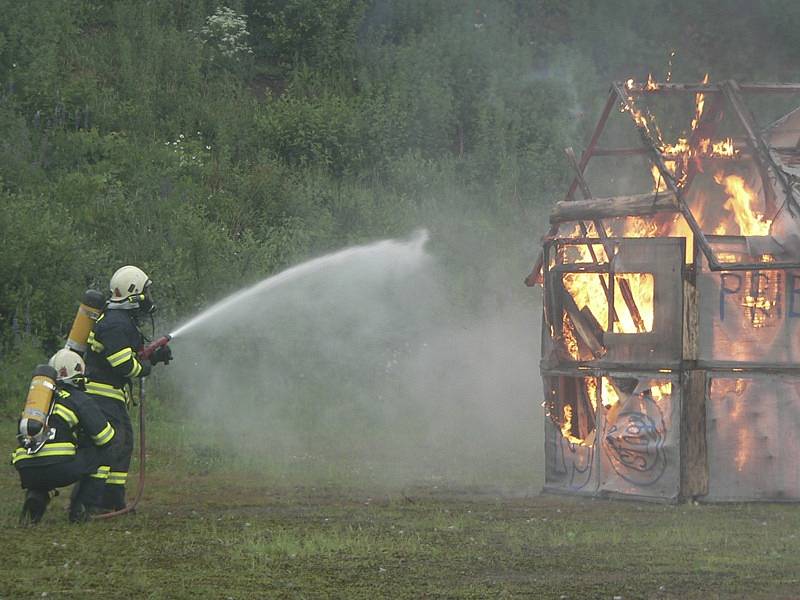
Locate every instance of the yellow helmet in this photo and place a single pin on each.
(128, 287)
(69, 365)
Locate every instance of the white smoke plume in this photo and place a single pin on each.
(353, 368)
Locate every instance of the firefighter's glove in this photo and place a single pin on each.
(162, 354)
(146, 368)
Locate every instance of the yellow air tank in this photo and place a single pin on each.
(88, 312)
(33, 423)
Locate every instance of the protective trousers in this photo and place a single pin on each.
(117, 414)
(82, 468)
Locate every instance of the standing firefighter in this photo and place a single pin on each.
(112, 363)
(64, 438)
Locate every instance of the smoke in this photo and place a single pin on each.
(360, 371)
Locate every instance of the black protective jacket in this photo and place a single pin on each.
(77, 422)
(112, 361)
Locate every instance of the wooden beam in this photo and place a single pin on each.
(792, 88)
(573, 161)
(535, 275)
(589, 151)
(669, 179)
(708, 88)
(665, 88)
(620, 151)
(620, 206)
(759, 149)
(694, 450)
(705, 128)
(583, 329)
(601, 232)
(756, 266)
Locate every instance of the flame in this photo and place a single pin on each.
(761, 306)
(737, 387)
(639, 227)
(699, 105)
(724, 148)
(669, 66)
(642, 118)
(641, 286)
(740, 201)
(566, 426)
(677, 155)
(570, 341)
(659, 185)
(608, 393)
(661, 390)
(591, 391)
(680, 228)
(564, 420)
(587, 290)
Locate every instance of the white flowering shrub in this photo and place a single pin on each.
(226, 32)
(190, 151)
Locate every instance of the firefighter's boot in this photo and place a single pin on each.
(114, 497)
(33, 508)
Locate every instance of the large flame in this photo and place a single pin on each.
(589, 289)
(641, 285)
(568, 335)
(740, 202)
(659, 391)
(633, 293)
(679, 154)
(608, 393)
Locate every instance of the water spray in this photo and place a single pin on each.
(225, 305)
(418, 241)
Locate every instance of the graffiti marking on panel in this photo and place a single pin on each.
(634, 442)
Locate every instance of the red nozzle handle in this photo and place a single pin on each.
(147, 351)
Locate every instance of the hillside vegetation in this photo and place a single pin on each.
(214, 144)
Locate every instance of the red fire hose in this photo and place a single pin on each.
(140, 488)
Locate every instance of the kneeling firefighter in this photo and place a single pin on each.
(64, 439)
(113, 361)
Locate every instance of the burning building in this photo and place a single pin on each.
(671, 328)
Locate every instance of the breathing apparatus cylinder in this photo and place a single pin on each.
(88, 312)
(33, 423)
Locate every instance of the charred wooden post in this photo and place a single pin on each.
(583, 328)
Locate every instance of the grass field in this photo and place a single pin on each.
(225, 533)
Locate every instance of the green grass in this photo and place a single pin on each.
(230, 534)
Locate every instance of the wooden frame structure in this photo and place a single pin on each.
(620, 94)
(687, 381)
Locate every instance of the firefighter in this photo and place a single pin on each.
(75, 440)
(112, 363)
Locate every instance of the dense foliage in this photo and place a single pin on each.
(215, 143)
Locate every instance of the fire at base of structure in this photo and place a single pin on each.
(671, 330)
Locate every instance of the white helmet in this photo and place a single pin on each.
(128, 287)
(69, 365)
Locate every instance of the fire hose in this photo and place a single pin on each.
(144, 354)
